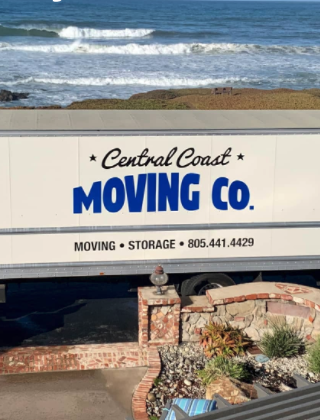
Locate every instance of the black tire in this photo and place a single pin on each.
(198, 284)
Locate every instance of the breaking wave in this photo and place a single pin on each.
(142, 81)
(21, 31)
(72, 32)
(163, 49)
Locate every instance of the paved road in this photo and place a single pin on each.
(68, 313)
(87, 395)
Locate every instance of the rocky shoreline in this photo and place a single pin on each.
(8, 96)
(179, 378)
(198, 99)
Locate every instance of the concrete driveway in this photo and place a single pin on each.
(86, 395)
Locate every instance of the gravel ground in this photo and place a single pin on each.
(277, 373)
(179, 377)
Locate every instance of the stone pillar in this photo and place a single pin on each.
(159, 316)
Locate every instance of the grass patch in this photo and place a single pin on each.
(314, 357)
(139, 104)
(157, 381)
(282, 341)
(155, 94)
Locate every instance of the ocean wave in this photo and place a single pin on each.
(182, 34)
(163, 49)
(75, 32)
(23, 32)
(142, 81)
(72, 32)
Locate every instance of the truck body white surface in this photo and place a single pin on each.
(110, 195)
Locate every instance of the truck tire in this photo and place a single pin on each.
(198, 285)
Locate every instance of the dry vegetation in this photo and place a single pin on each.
(203, 99)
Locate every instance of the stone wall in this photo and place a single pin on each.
(159, 316)
(253, 316)
(192, 324)
(250, 308)
(167, 319)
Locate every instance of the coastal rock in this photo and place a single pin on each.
(8, 96)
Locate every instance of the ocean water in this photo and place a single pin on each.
(78, 49)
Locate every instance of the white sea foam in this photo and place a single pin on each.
(74, 32)
(122, 81)
(163, 49)
(63, 48)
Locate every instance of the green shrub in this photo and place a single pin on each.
(314, 357)
(282, 341)
(157, 381)
(223, 340)
(221, 366)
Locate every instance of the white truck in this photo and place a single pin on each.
(87, 193)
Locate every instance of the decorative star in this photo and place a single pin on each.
(241, 156)
(93, 158)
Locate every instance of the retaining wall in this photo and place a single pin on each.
(253, 316)
(247, 306)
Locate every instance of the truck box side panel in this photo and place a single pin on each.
(143, 246)
(186, 200)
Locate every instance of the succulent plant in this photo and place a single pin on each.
(223, 340)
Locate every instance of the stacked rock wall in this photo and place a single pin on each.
(168, 319)
(253, 317)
